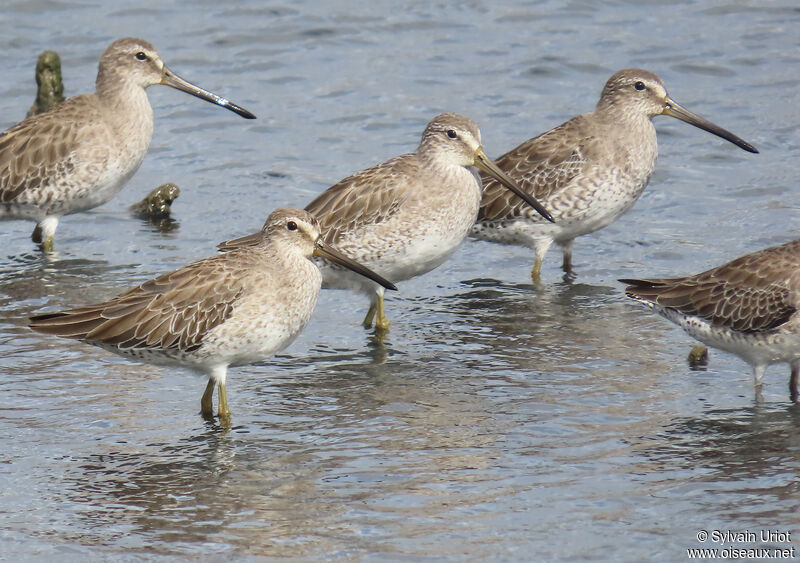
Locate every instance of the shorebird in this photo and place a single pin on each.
(228, 310)
(587, 171)
(80, 154)
(748, 307)
(408, 215)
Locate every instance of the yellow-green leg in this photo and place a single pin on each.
(377, 313)
(46, 243)
(224, 411)
(207, 402)
(373, 307)
(540, 247)
(381, 322)
(217, 377)
(536, 272)
(45, 233)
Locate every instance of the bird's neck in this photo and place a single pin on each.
(120, 94)
(629, 126)
(631, 135)
(454, 172)
(127, 106)
(621, 114)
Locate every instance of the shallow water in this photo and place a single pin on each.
(499, 420)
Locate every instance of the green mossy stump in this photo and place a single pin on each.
(158, 203)
(50, 91)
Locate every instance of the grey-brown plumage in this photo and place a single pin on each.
(406, 216)
(588, 171)
(748, 307)
(231, 309)
(80, 154)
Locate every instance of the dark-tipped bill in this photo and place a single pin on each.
(169, 78)
(680, 112)
(326, 251)
(484, 163)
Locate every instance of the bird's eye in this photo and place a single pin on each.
(291, 225)
(141, 56)
(639, 85)
(452, 134)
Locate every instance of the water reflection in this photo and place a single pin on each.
(748, 459)
(561, 328)
(161, 224)
(736, 443)
(371, 444)
(496, 421)
(31, 280)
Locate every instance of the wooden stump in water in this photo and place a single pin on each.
(50, 91)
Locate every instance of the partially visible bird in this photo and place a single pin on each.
(588, 171)
(748, 307)
(408, 215)
(81, 153)
(228, 310)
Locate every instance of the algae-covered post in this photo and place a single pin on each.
(50, 85)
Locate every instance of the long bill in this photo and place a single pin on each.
(676, 110)
(324, 250)
(485, 163)
(169, 78)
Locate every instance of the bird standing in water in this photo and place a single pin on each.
(748, 307)
(81, 153)
(228, 310)
(588, 171)
(405, 217)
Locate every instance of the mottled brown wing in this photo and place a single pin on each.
(368, 197)
(171, 312)
(42, 147)
(753, 293)
(542, 166)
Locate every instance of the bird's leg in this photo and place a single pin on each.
(216, 377)
(45, 233)
(566, 265)
(373, 308)
(381, 322)
(224, 411)
(540, 247)
(207, 402)
(758, 373)
(793, 381)
(536, 272)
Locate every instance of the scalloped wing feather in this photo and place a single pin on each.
(755, 293)
(368, 197)
(542, 166)
(43, 147)
(174, 311)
